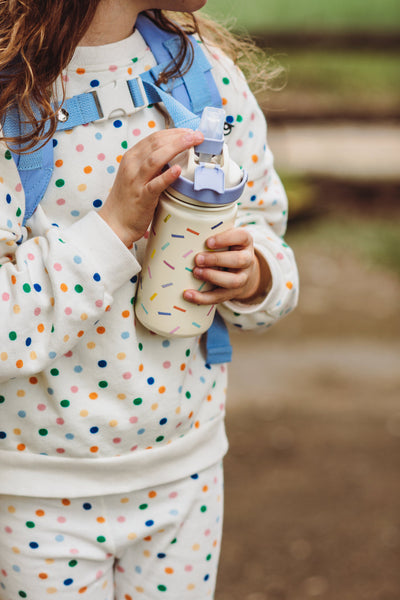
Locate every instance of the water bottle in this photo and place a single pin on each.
(200, 203)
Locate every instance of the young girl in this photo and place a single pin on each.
(111, 437)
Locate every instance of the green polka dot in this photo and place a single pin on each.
(187, 352)
(78, 288)
(65, 403)
(12, 335)
(209, 557)
(18, 213)
(188, 395)
(162, 588)
(203, 509)
(143, 506)
(140, 346)
(174, 541)
(26, 287)
(134, 60)
(2, 399)
(8, 155)
(22, 594)
(239, 118)
(30, 524)
(103, 384)
(101, 539)
(160, 438)
(137, 401)
(124, 144)
(73, 563)
(43, 432)
(60, 183)
(225, 80)
(54, 372)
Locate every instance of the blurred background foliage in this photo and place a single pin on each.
(313, 414)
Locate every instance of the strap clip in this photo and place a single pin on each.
(120, 98)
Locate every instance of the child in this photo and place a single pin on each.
(111, 437)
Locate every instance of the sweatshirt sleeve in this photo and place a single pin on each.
(263, 207)
(53, 287)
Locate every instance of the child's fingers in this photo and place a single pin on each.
(231, 259)
(160, 183)
(237, 236)
(226, 279)
(212, 297)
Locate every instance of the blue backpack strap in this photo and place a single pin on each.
(196, 89)
(218, 346)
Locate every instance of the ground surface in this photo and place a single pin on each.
(312, 476)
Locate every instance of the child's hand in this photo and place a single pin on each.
(133, 198)
(239, 273)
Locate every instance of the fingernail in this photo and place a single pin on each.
(211, 242)
(198, 137)
(188, 295)
(200, 260)
(188, 138)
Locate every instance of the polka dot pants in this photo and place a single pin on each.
(158, 543)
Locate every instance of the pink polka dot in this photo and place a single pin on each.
(112, 68)
(221, 406)
(133, 420)
(134, 448)
(117, 440)
(136, 132)
(8, 530)
(68, 310)
(121, 519)
(60, 201)
(99, 303)
(68, 354)
(127, 375)
(74, 389)
(41, 407)
(280, 256)
(80, 148)
(120, 569)
(173, 495)
(99, 574)
(74, 551)
(65, 78)
(18, 187)
(166, 364)
(239, 143)
(5, 296)
(101, 156)
(60, 421)
(188, 568)
(207, 532)
(61, 519)
(37, 311)
(57, 267)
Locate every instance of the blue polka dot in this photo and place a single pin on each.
(194, 476)
(138, 570)
(251, 134)
(3, 435)
(125, 335)
(28, 341)
(68, 581)
(8, 199)
(95, 83)
(97, 203)
(75, 213)
(94, 429)
(174, 512)
(102, 363)
(55, 142)
(16, 568)
(149, 523)
(110, 169)
(33, 545)
(59, 538)
(96, 277)
(161, 555)
(117, 123)
(180, 389)
(230, 119)
(52, 355)
(253, 198)
(206, 578)
(87, 506)
(166, 343)
(77, 259)
(150, 380)
(134, 279)
(141, 431)
(98, 136)
(163, 421)
(69, 436)
(22, 414)
(9, 223)
(50, 391)
(78, 369)
(37, 287)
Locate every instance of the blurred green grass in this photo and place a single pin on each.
(284, 15)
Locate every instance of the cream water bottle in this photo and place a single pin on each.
(200, 203)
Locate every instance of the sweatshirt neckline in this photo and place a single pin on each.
(119, 52)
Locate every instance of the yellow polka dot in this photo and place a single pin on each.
(90, 345)
(121, 355)
(191, 586)
(105, 584)
(121, 396)
(15, 550)
(154, 406)
(82, 187)
(178, 410)
(146, 553)
(113, 423)
(84, 316)
(84, 413)
(196, 547)
(124, 500)
(139, 589)
(11, 509)
(21, 393)
(4, 356)
(66, 338)
(16, 309)
(51, 590)
(33, 355)
(132, 536)
(17, 431)
(49, 561)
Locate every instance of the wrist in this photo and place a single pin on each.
(261, 281)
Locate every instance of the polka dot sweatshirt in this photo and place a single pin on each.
(91, 402)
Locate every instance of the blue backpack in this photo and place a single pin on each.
(189, 95)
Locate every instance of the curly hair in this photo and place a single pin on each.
(39, 37)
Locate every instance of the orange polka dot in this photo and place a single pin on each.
(169, 570)
(205, 488)
(289, 285)
(125, 313)
(13, 279)
(94, 449)
(80, 333)
(197, 424)
(130, 70)
(100, 330)
(59, 163)
(65, 502)
(124, 500)
(190, 415)
(88, 169)
(183, 366)
(127, 596)
(119, 158)
(40, 328)
(93, 396)
(81, 70)
(21, 447)
(250, 183)
(161, 389)
(254, 158)
(224, 101)
(19, 364)
(33, 380)
(151, 124)
(141, 367)
(82, 590)
(43, 575)
(215, 543)
(64, 287)
(40, 513)
(260, 202)
(100, 520)
(11, 509)
(209, 398)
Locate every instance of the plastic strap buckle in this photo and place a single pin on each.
(120, 98)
